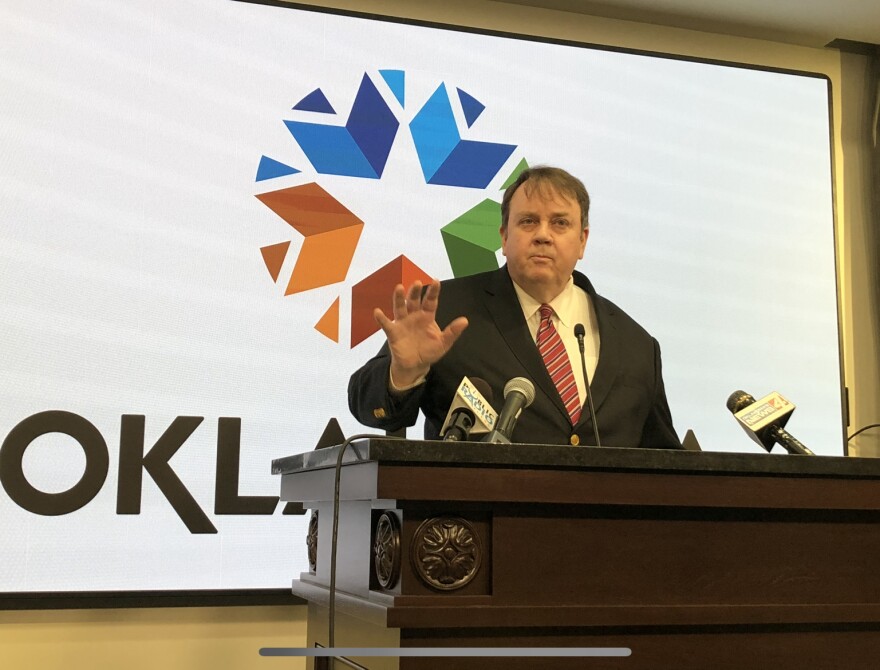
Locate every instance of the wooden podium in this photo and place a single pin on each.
(688, 559)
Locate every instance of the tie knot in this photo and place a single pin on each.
(546, 312)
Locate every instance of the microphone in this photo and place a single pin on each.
(579, 333)
(469, 412)
(519, 393)
(764, 420)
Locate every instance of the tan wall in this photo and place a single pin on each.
(220, 638)
(859, 253)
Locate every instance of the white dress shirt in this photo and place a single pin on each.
(570, 307)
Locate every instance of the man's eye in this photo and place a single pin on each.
(562, 223)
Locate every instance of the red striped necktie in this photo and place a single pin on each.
(556, 359)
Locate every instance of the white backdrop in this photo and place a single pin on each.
(132, 281)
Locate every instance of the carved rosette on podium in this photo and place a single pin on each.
(446, 552)
(386, 550)
(692, 560)
(312, 542)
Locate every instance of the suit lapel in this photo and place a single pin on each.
(609, 346)
(503, 306)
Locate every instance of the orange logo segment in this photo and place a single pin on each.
(331, 233)
(324, 259)
(273, 257)
(328, 325)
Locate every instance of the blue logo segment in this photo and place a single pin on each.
(269, 168)
(372, 125)
(395, 81)
(361, 147)
(315, 101)
(445, 158)
(471, 107)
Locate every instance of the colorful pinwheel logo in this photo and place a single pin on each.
(361, 149)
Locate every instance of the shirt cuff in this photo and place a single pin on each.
(394, 388)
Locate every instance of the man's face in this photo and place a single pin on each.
(543, 240)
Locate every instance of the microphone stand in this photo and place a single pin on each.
(579, 334)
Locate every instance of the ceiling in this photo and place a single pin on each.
(813, 23)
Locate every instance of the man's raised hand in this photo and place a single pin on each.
(414, 338)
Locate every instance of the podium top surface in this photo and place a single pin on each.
(390, 451)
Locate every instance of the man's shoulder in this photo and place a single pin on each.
(607, 310)
(467, 296)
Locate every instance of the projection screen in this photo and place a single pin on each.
(173, 319)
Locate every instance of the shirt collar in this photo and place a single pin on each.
(563, 304)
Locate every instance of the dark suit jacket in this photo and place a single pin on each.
(627, 387)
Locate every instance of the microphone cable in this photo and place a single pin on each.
(331, 637)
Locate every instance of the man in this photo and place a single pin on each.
(514, 322)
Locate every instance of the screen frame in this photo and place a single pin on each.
(238, 597)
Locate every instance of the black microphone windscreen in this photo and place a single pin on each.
(579, 330)
(738, 400)
(483, 387)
